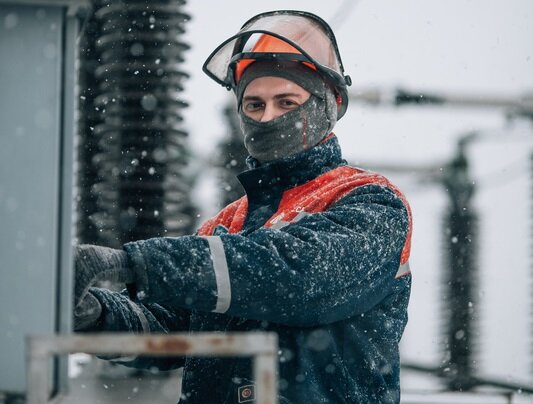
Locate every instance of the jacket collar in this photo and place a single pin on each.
(273, 178)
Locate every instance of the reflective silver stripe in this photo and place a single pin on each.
(281, 223)
(220, 266)
(403, 269)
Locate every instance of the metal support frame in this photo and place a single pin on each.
(261, 346)
(37, 85)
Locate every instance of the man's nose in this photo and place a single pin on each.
(269, 113)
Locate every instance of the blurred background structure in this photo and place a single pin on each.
(104, 104)
(133, 152)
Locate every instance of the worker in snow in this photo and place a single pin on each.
(316, 251)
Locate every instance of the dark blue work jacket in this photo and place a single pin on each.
(316, 252)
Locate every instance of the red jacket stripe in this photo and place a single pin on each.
(312, 197)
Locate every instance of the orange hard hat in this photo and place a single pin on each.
(267, 44)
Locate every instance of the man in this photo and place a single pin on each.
(316, 251)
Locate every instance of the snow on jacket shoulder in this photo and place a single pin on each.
(317, 251)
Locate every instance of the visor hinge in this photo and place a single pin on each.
(348, 80)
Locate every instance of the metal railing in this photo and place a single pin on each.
(262, 347)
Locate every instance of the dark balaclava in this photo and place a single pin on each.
(296, 130)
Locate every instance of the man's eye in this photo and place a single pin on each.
(286, 103)
(253, 106)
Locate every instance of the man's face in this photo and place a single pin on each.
(267, 98)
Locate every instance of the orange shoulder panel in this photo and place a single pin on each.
(322, 192)
(231, 217)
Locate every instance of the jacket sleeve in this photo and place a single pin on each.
(324, 268)
(121, 314)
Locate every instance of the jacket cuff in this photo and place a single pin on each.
(139, 289)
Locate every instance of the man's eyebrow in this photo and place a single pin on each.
(277, 96)
(283, 95)
(251, 97)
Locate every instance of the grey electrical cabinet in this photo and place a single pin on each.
(37, 126)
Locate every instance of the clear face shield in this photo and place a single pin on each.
(307, 38)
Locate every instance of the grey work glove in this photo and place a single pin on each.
(87, 312)
(93, 264)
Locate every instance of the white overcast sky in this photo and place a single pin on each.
(472, 47)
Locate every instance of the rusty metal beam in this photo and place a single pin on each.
(262, 347)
